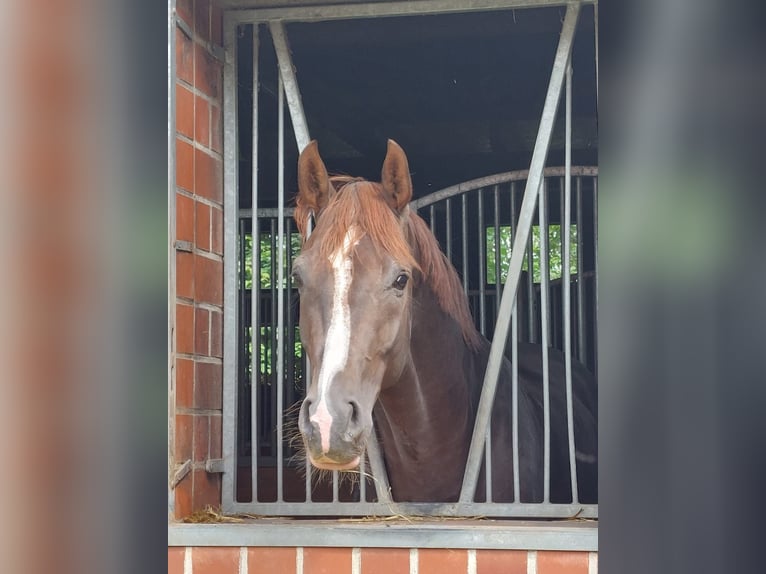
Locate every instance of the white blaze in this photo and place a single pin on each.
(338, 336)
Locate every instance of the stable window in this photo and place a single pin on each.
(463, 93)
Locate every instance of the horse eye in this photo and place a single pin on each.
(401, 281)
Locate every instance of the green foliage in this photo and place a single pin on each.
(555, 250)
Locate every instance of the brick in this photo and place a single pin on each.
(207, 73)
(202, 121)
(184, 111)
(176, 559)
(184, 57)
(185, 274)
(216, 334)
(183, 435)
(184, 218)
(327, 560)
(215, 560)
(216, 434)
(207, 490)
(185, 11)
(183, 497)
(208, 280)
(216, 129)
(184, 329)
(385, 560)
(201, 438)
(208, 176)
(185, 169)
(270, 560)
(562, 562)
(208, 386)
(501, 562)
(442, 561)
(216, 25)
(184, 383)
(217, 223)
(201, 332)
(202, 19)
(202, 235)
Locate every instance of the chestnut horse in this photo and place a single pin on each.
(388, 330)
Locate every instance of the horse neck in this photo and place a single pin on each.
(427, 415)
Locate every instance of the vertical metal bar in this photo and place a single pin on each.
(448, 228)
(271, 330)
(537, 164)
(308, 480)
(482, 266)
(565, 283)
(335, 486)
(230, 218)
(378, 468)
(289, 321)
(432, 216)
(280, 335)
(255, 291)
(544, 337)
(595, 39)
(362, 480)
(482, 272)
(531, 299)
(242, 340)
(464, 225)
(581, 342)
(515, 371)
(498, 270)
(290, 83)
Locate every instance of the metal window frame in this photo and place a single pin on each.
(276, 19)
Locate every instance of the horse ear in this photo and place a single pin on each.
(314, 189)
(395, 178)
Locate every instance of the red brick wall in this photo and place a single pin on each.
(198, 254)
(226, 560)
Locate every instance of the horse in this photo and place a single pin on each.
(388, 330)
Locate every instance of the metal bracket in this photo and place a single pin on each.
(180, 473)
(184, 26)
(214, 466)
(185, 246)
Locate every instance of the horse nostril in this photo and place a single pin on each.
(354, 412)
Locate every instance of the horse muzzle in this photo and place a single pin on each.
(334, 436)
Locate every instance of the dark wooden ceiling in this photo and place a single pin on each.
(462, 93)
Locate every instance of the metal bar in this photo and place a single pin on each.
(362, 480)
(522, 233)
(255, 289)
(482, 266)
(289, 320)
(464, 229)
(531, 299)
(498, 270)
(581, 342)
(280, 334)
(335, 486)
(272, 331)
(230, 175)
(595, 40)
(432, 218)
(498, 178)
(544, 336)
(515, 371)
(546, 535)
(378, 468)
(243, 336)
(405, 509)
(448, 225)
(565, 285)
(290, 83)
(308, 481)
(380, 9)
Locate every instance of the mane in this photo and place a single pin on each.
(406, 238)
